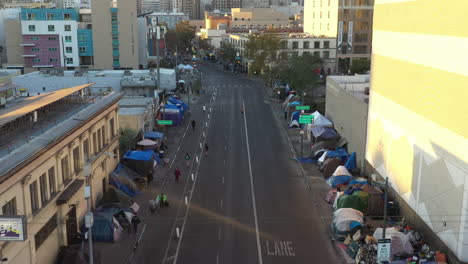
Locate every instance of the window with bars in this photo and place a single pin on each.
(52, 184)
(76, 159)
(112, 127)
(65, 169)
(43, 189)
(34, 197)
(86, 150)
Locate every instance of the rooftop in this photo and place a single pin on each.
(355, 85)
(31, 124)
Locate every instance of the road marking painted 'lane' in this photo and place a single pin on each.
(280, 248)
(259, 249)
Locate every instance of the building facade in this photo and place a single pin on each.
(170, 19)
(43, 179)
(115, 34)
(226, 5)
(349, 21)
(258, 18)
(49, 38)
(417, 129)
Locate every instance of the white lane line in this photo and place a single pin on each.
(224, 162)
(225, 147)
(219, 233)
(217, 258)
(259, 249)
(221, 203)
(223, 179)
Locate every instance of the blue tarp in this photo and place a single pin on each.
(175, 101)
(294, 103)
(324, 132)
(113, 180)
(337, 153)
(337, 180)
(103, 227)
(140, 155)
(154, 135)
(306, 160)
(351, 162)
(295, 115)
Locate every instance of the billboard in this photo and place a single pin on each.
(13, 228)
(350, 35)
(340, 34)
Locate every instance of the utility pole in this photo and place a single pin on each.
(302, 143)
(385, 208)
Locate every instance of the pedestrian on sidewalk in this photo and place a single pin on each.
(135, 221)
(193, 125)
(187, 159)
(206, 149)
(177, 174)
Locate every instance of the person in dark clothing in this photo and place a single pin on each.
(193, 124)
(135, 221)
(206, 149)
(177, 174)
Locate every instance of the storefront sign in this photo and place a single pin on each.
(13, 228)
(383, 250)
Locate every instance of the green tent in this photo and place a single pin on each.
(351, 201)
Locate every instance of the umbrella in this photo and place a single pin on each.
(147, 142)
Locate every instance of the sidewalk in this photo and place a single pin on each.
(313, 179)
(123, 251)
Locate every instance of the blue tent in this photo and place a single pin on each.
(295, 115)
(114, 180)
(154, 135)
(351, 162)
(175, 101)
(337, 180)
(103, 227)
(294, 103)
(145, 155)
(322, 132)
(337, 153)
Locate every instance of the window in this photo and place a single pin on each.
(45, 231)
(36, 60)
(31, 16)
(69, 49)
(34, 197)
(95, 144)
(50, 16)
(99, 136)
(294, 53)
(67, 27)
(317, 53)
(328, 2)
(328, 14)
(103, 132)
(35, 38)
(112, 127)
(86, 150)
(65, 170)
(326, 54)
(52, 49)
(51, 28)
(35, 49)
(66, 16)
(69, 60)
(313, 15)
(52, 38)
(43, 188)
(316, 44)
(9, 209)
(68, 39)
(360, 49)
(320, 14)
(328, 26)
(76, 159)
(81, 38)
(326, 44)
(306, 53)
(295, 45)
(82, 49)
(52, 188)
(32, 28)
(305, 44)
(116, 153)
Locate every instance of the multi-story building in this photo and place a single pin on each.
(170, 19)
(258, 18)
(226, 5)
(28, 5)
(350, 22)
(418, 128)
(115, 34)
(150, 6)
(44, 171)
(295, 45)
(49, 38)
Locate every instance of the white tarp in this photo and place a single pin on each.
(340, 171)
(180, 66)
(319, 120)
(400, 242)
(343, 217)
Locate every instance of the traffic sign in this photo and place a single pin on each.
(383, 249)
(302, 107)
(164, 122)
(306, 119)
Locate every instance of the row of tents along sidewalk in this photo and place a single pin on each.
(358, 205)
(173, 109)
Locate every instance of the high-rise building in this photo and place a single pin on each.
(418, 128)
(150, 6)
(350, 22)
(226, 4)
(115, 34)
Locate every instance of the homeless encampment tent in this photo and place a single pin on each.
(141, 161)
(329, 166)
(400, 243)
(375, 204)
(153, 135)
(147, 144)
(353, 201)
(124, 171)
(106, 228)
(319, 121)
(172, 112)
(345, 220)
(120, 179)
(116, 196)
(77, 254)
(351, 162)
(324, 133)
(341, 176)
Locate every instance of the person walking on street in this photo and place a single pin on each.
(206, 149)
(187, 159)
(135, 221)
(177, 174)
(164, 200)
(193, 125)
(204, 108)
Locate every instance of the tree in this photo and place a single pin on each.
(126, 140)
(263, 51)
(360, 66)
(185, 34)
(228, 52)
(299, 72)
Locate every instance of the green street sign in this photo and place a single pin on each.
(164, 122)
(302, 107)
(306, 119)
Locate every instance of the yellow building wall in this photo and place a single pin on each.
(316, 25)
(418, 115)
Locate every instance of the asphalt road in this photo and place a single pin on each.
(249, 203)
